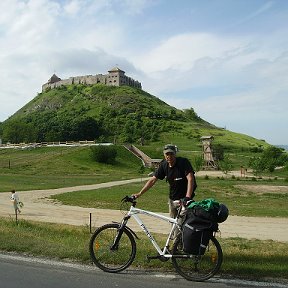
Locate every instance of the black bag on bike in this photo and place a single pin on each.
(195, 241)
(210, 209)
(197, 229)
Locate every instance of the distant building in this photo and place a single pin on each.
(115, 77)
(209, 161)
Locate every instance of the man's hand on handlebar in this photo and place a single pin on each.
(186, 201)
(137, 195)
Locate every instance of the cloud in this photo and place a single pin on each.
(72, 8)
(185, 63)
(264, 8)
(27, 27)
(222, 88)
(136, 7)
(193, 60)
(74, 62)
(205, 60)
(227, 80)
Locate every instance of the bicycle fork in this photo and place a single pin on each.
(119, 234)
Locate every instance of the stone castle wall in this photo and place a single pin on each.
(115, 77)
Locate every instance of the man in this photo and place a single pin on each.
(179, 174)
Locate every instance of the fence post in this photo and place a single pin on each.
(16, 217)
(90, 222)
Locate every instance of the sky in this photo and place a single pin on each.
(226, 59)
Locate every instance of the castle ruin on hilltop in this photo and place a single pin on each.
(115, 77)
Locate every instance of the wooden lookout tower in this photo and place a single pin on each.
(209, 162)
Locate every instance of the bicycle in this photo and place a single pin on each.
(113, 247)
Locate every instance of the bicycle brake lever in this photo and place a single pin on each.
(125, 199)
(189, 202)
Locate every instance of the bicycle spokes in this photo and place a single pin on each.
(111, 255)
(198, 267)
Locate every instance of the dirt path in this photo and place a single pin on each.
(39, 208)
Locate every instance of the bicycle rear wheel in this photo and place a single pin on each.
(197, 267)
(108, 256)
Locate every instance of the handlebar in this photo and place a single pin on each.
(131, 199)
(177, 203)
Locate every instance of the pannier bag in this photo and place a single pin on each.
(195, 241)
(210, 209)
(201, 221)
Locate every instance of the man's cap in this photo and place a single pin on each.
(169, 148)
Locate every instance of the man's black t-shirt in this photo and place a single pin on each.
(176, 177)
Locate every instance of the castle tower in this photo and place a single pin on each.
(54, 78)
(116, 77)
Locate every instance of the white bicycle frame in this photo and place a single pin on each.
(133, 212)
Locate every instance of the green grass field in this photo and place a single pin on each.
(249, 259)
(240, 201)
(48, 168)
(62, 167)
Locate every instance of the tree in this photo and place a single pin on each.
(256, 164)
(270, 158)
(226, 164)
(191, 114)
(17, 131)
(85, 128)
(129, 132)
(198, 163)
(273, 157)
(104, 154)
(1, 129)
(218, 152)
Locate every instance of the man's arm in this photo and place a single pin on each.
(190, 185)
(147, 186)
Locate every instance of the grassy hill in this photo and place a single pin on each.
(114, 114)
(105, 113)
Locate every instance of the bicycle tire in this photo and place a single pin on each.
(104, 257)
(197, 267)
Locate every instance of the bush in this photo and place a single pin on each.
(104, 154)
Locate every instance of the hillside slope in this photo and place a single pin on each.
(114, 114)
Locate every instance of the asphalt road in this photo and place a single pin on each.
(27, 272)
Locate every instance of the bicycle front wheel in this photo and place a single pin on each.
(198, 267)
(108, 256)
